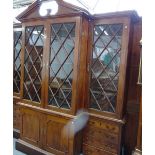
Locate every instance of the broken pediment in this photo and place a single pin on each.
(51, 8)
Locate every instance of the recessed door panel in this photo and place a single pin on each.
(56, 140)
(30, 126)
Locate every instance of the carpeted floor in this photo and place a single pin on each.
(15, 152)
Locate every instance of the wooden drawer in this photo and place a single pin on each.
(102, 135)
(101, 144)
(89, 150)
(98, 134)
(104, 125)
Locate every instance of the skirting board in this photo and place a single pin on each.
(30, 149)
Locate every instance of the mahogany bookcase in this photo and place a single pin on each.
(72, 60)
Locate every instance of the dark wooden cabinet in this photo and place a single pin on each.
(133, 98)
(72, 60)
(138, 148)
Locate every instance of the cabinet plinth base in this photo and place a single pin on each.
(16, 133)
(30, 149)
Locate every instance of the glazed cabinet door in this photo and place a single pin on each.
(32, 63)
(61, 74)
(108, 65)
(17, 60)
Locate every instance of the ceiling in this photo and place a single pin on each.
(96, 6)
(21, 3)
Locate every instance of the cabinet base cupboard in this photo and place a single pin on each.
(70, 61)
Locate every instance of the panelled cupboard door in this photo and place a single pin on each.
(16, 114)
(31, 128)
(108, 64)
(56, 138)
(62, 56)
(32, 63)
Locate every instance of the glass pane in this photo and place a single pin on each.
(105, 66)
(34, 42)
(17, 61)
(61, 65)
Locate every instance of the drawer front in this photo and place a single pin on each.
(101, 144)
(89, 150)
(102, 135)
(104, 125)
